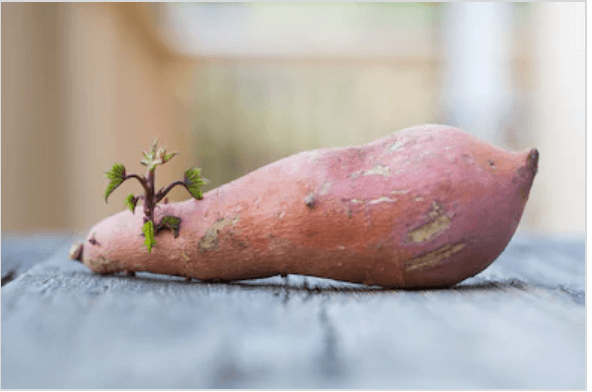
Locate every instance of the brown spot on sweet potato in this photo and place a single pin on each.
(309, 200)
(436, 210)
(437, 225)
(433, 258)
(210, 240)
(523, 191)
(99, 261)
(93, 240)
(101, 265)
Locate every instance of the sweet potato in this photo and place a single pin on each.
(427, 206)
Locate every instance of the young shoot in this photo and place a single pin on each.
(152, 158)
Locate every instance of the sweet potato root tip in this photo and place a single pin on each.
(76, 251)
(533, 160)
(425, 207)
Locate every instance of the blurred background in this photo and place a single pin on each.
(236, 86)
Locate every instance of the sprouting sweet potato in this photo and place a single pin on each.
(428, 206)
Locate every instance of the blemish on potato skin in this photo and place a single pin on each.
(433, 258)
(210, 239)
(383, 199)
(309, 200)
(523, 191)
(397, 145)
(93, 240)
(377, 170)
(435, 211)
(429, 230)
(100, 265)
(426, 232)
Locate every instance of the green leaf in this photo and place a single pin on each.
(148, 230)
(130, 202)
(194, 182)
(116, 176)
(168, 157)
(149, 154)
(171, 222)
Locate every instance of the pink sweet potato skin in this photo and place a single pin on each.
(427, 206)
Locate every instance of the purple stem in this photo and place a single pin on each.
(163, 191)
(149, 200)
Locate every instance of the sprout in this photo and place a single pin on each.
(153, 157)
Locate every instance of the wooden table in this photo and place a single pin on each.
(518, 324)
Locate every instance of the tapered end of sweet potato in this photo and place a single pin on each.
(532, 160)
(76, 251)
